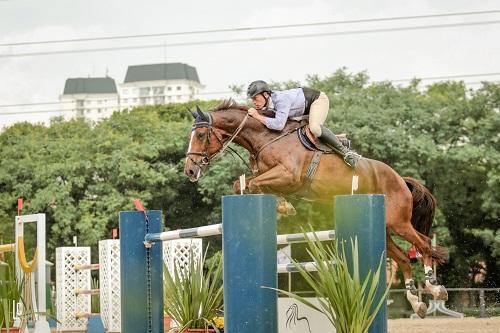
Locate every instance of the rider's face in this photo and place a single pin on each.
(259, 101)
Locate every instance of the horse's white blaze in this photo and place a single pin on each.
(190, 144)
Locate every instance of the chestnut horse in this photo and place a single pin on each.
(280, 163)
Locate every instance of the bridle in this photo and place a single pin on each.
(206, 158)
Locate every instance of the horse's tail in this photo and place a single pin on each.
(424, 208)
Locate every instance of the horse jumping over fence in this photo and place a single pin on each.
(281, 165)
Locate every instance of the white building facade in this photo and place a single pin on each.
(91, 98)
(156, 84)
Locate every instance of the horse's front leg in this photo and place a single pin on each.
(275, 178)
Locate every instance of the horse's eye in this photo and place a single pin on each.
(200, 135)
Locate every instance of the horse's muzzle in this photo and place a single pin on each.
(193, 172)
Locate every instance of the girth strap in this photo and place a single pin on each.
(311, 170)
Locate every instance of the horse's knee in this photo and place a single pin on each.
(236, 187)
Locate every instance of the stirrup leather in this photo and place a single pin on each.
(353, 155)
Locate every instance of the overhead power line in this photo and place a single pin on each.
(250, 39)
(446, 77)
(240, 29)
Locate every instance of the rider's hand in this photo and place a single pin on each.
(253, 113)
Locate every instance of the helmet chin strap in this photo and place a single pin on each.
(267, 100)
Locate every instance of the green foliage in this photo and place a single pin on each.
(192, 297)
(349, 301)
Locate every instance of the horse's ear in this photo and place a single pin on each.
(192, 113)
(201, 113)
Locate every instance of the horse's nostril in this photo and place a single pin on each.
(191, 172)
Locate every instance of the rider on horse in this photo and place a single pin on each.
(294, 104)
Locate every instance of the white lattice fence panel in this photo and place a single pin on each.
(109, 275)
(67, 281)
(176, 252)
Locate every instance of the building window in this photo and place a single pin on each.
(158, 90)
(144, 91)
(178, 97)
(79, 103)
(169, 88)
(179, 87)
(79, 113)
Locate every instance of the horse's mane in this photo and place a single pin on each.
(230, 104)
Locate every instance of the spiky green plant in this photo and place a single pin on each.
(95, 302)
(344, 298)
(11, 291)
(192, 297)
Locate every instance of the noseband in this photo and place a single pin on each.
(205, 156)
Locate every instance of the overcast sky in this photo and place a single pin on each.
(385, 55)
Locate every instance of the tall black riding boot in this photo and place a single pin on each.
(350, 157)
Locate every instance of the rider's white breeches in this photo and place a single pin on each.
(317, 113)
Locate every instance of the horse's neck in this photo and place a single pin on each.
(251, 136)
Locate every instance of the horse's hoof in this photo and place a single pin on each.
(441, 294)
(290, 210)
(437, 291)
(420, 309)
(281, 209)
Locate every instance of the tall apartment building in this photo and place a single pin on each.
(92, 98)
(159, 84)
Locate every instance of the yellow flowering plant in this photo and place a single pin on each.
(219, 322)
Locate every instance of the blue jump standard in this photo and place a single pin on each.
(364, 216)
(249, 247)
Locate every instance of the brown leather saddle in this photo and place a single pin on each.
(310, 142)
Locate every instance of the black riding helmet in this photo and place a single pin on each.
(257, 87)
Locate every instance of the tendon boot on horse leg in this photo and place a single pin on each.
(284, 207)
(431, 285)
(428, 253)
(350, 157)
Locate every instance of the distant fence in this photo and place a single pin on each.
(473, 302)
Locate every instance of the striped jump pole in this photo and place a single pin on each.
(216, 229)
(364, 216)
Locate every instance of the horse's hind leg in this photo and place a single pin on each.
(396, 253)
(423, 245)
